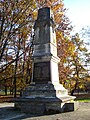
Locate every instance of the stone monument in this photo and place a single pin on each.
(45, 94)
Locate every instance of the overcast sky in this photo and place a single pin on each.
(78, 12)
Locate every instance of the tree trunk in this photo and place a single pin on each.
(5, 90)
(72, 92)
(15, 87)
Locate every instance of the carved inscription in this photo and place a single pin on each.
(41, 72)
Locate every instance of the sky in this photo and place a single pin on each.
(78, 13)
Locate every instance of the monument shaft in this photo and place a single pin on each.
(45, 59)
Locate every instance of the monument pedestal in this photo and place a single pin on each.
(45, 95)
(43, 99)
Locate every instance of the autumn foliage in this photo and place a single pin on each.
(16, 23)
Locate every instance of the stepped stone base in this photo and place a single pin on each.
(43, 99)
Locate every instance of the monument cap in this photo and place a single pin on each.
(44, 13)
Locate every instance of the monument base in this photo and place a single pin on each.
(43, 99)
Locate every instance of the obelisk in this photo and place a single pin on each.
(45, 94)
(45, 59)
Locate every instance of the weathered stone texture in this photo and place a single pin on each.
(45, 95)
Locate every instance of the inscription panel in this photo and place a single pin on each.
(41, 49)
(41, 72)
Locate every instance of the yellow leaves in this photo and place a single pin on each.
(45, 3)
(34, 15)
(79, 44)
(57, 7)
(88, 78)
(57, 18)
(65, 47)
(59, 35)
(83, 49)
(21, 10)
(21, 83)
(57, 10)
(71, 48)
(24, 32)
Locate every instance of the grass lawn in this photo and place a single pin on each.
(84, 100)
(83, 97)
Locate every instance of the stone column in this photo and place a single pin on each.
(45, 59)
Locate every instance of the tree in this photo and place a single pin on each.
(16, 19)
(85, 34)
(79, 72)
